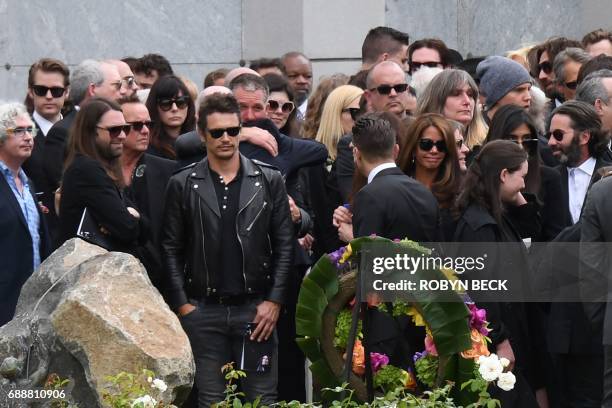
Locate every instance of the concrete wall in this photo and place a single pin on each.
(198, 36)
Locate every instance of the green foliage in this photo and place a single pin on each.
(389, 377)
(124, 390)
(343, 328)
(427, 370)
(55, 382)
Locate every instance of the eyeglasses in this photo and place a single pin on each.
(414, 66)
(354, 112)
(529, 145)
(166, 103)
(21, 131)
(571, 85)
(386, 89)
(557, 134)
(428, 144)
(41, 90)
(286, 107)
(137, 126)
(231, 131)
(130, 81)
(546, 66)
(116, 85)
(115, 131)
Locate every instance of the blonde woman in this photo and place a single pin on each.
(338, 117)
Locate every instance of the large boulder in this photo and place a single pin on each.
(87, 314)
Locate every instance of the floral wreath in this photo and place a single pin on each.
(455, 345)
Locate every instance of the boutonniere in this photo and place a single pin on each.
(43, 208)
(140, 170)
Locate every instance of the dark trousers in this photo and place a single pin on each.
(577, 381)
(607, 377)
(216, 335)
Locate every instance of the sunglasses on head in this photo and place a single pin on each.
(231, 131)
(414, 66)
(286, 107)
(165, 104)
(428, 144)
(386, 89)
(115, 131)
(41, 90)
(137, 126)
(546, 67)
(557, 134)
(354, 112)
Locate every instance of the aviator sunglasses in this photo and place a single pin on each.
(231, 131)
(428, 144)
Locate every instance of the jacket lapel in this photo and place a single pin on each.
(7, 192)
(252, 182)
(201, 183)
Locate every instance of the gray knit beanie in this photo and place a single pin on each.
(498, 76)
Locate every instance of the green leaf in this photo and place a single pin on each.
(310, 347)
(324, 274)
(237, 403)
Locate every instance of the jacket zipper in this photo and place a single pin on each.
(240, 241)
(257, 216)
(203, 248)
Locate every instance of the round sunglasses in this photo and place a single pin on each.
(286, 107)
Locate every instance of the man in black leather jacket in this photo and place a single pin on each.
(227, 244)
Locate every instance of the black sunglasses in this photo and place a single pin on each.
(414, 66)
(115, 131)
(571, 85)
(41, 90)
(166, 103)
(137, 126)
(354, 112)
(546, 67)
(286, 107)
(529, 145)
(231, 131)
(557, 134)
(428, 144)
(386, 89)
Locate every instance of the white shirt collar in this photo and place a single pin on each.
(378, 169)
(302, 108)
(43, 123)
(588, 167)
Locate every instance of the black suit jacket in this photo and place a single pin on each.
(55, 150)
(33, 167)
(344, 167)
(16, 254)
(393, 206)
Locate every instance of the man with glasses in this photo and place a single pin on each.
(545, 56)
(227, 242)
(23, 241)
(128, 82)
(566, 67)
(145, 177)
(387, 89)
(428, 52)
(596, 90)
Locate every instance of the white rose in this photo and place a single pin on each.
(149, 379)
(506, 381)
(159, 384)
(504, 362)
(490, 369)
(144, 402)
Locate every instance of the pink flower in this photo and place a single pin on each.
(430, 346)
(478, 319)
(378, 361)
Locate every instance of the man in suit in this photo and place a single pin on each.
(23, 241)
(577, 141)
(145, 176)
(89, 78)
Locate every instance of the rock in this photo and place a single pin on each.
(87, 314)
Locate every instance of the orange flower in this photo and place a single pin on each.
(409, 380)
(479, 346)
(358, 358)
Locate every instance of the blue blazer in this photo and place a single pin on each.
(16, 255)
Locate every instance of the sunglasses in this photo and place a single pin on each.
(115, 131)
(428, 144)
(231, 131)
(21, 131)
(414, 66)
(286, 107)
(354, 112)
(386, 89)
(529, 145)
(571, 85)
(166, 103)
(41, 90)
(546, 67)
(459, 144)
(557, 134)
(137, 126)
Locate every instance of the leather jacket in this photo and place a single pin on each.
(263, 226)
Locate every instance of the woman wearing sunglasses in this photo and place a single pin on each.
(172, 112)
(281, 107)
(513, 123)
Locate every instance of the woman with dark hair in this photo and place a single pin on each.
(490, 192)
(93, 179)
(281, 105)
(172, 112)
(513, 123)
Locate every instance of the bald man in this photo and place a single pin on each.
(128, 82)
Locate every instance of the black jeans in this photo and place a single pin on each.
(216, 336)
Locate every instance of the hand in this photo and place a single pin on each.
(345, 232)
(342, 214)
(260, 137)
(296, 215)
(504, 349)
(306, 241)
(134, 212)
(266, 317)
(185, 309)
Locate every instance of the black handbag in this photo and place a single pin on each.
(89, 230)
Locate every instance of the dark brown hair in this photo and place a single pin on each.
(596, 36)
(434, 44)
(382, 40)
(217, 103)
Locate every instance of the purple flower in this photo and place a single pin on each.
(478, 319)
(418, 356)
(336, 256)
(378, 361)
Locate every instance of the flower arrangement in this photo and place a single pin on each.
(128, 390)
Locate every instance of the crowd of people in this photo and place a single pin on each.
(228, 195)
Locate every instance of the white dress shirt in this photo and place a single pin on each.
(378, 169)
(578, 180)
(43, 123)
